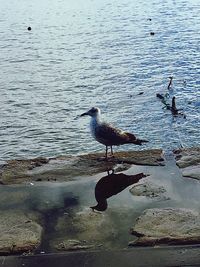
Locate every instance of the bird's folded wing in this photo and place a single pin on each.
(108, 132)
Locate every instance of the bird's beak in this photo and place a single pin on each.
(84, 114)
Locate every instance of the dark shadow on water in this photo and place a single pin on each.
(112, 184)
(49, 218)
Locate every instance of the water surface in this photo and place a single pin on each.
(96, 53)
(63, 209)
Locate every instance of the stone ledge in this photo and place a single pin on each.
(18, 233)
(167, 226)
(188, 160)
(66, 168)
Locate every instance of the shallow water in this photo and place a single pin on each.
(63, 209)
(96, 53)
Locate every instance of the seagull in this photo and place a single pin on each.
(108, 135)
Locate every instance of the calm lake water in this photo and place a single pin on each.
(88, 53)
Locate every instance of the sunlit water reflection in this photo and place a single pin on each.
(85, 53)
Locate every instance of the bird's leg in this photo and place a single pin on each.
(111, 149)
(106, 152)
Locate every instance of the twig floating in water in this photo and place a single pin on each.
(164, 100)
(170, 83)
(174, 110)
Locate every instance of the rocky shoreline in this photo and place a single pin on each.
(168, 226)
(23, 231)
(188, 160)
(65, 168)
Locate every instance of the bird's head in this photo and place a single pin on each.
(93, 112)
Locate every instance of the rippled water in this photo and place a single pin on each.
(87, 53)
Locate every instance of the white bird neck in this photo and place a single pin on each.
(95, 119)
(95, 122)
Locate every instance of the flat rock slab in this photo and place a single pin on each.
(192, 172)
(167, 226)
(18, 233)
(15, 171)
(16, 198)
(66, 168)
(187, 156)
(84, 230)
(152, 157)
(73, 245)
(188, 160)
(150, 190)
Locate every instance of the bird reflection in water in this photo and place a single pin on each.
(112, 184)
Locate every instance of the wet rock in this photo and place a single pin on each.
(188, 160)
(15, 171)
(150, 190)
(90, 230)
(89, 225)
(187, 157)
(121, 167)
(151, 157)
(18, 232)
(192, 172)
(71, 244)
(13, 199)
(66, 168)
(167, 226)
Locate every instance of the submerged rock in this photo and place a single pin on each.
(192, 172)
(66, 168)
(150, 190)
(18, 233)
(167, 226)
(83, 230)
(72, 244)
(187, 157)
(10, 199)
(188, 160)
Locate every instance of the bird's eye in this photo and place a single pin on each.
(93, 110)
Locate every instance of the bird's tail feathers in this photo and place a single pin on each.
(134, 140)
(140, 141)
